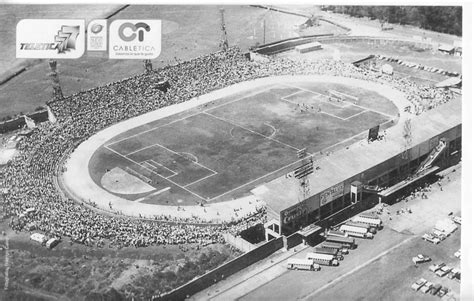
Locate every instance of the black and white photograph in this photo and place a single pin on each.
(235, 151)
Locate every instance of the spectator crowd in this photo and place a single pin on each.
(29, 179)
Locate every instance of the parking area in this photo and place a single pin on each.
(381, 268)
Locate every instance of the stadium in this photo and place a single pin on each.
(259, 149)
(222, 156)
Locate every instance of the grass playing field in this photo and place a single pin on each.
(226, 148)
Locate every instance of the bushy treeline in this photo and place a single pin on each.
(446, 19)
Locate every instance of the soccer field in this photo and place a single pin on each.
(225, 148)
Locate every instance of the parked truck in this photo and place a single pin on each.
(334, 252)
(356, 231)
(336, 246)
(336, 233)
(323, 259)
(368, 219)
(347, 242)
(369, 228)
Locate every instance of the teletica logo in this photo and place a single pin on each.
(140, 27)
(65, 41)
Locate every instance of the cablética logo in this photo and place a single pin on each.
(135, 39)
(48, 38)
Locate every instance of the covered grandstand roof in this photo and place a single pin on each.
(283, 192)
(449, 82)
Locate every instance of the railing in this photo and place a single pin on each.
(434, 154)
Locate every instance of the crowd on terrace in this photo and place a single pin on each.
(29, 179)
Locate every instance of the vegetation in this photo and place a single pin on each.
(165, 280)
(446, 19)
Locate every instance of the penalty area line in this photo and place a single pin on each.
(133, 161)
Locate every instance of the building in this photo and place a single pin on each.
(365, 174)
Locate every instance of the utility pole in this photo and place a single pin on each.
(224, 43)
(264, 31)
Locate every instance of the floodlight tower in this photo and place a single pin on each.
(224, 43)
(148, 66)
(407, 136)
(57, 92)
(302, 173)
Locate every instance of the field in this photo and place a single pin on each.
(225, 149)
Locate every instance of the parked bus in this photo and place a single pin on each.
(302, 264)
(356, 231)
(369, 228)
(335, 246)
(334, 252)
(348, 242)
(324, 259)
(368, 219)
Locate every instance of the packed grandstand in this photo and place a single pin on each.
(29, 180)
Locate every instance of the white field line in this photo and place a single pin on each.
(355, 115)
(322, 95)
(152, 194)
(133, 161)
(208, 176)
(179, 154)
(259, 178)
(286, 166)
(139, 150)
(329, 114)
(266, 137)
(289, 95)
(152, 129)
(155, 168)
(347, 103)
(192, 115)
(307, 297)
(191, 155)
(273, 128)
(154, 162)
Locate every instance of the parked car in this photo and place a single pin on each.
(458, 254)
(420, 259)
(426, 288)
(442, 291)
(418, 284)
(443, 271)
(435, 289)
(436, 267)
(439, 234)
(431, 238)
(457, 219)
(453, 274)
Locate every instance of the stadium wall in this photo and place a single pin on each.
(293, 240)
(19, 122)
(238, 242)
(223, 271)
(289, 44)
(383, 174)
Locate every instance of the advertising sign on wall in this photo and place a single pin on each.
(331, 194)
